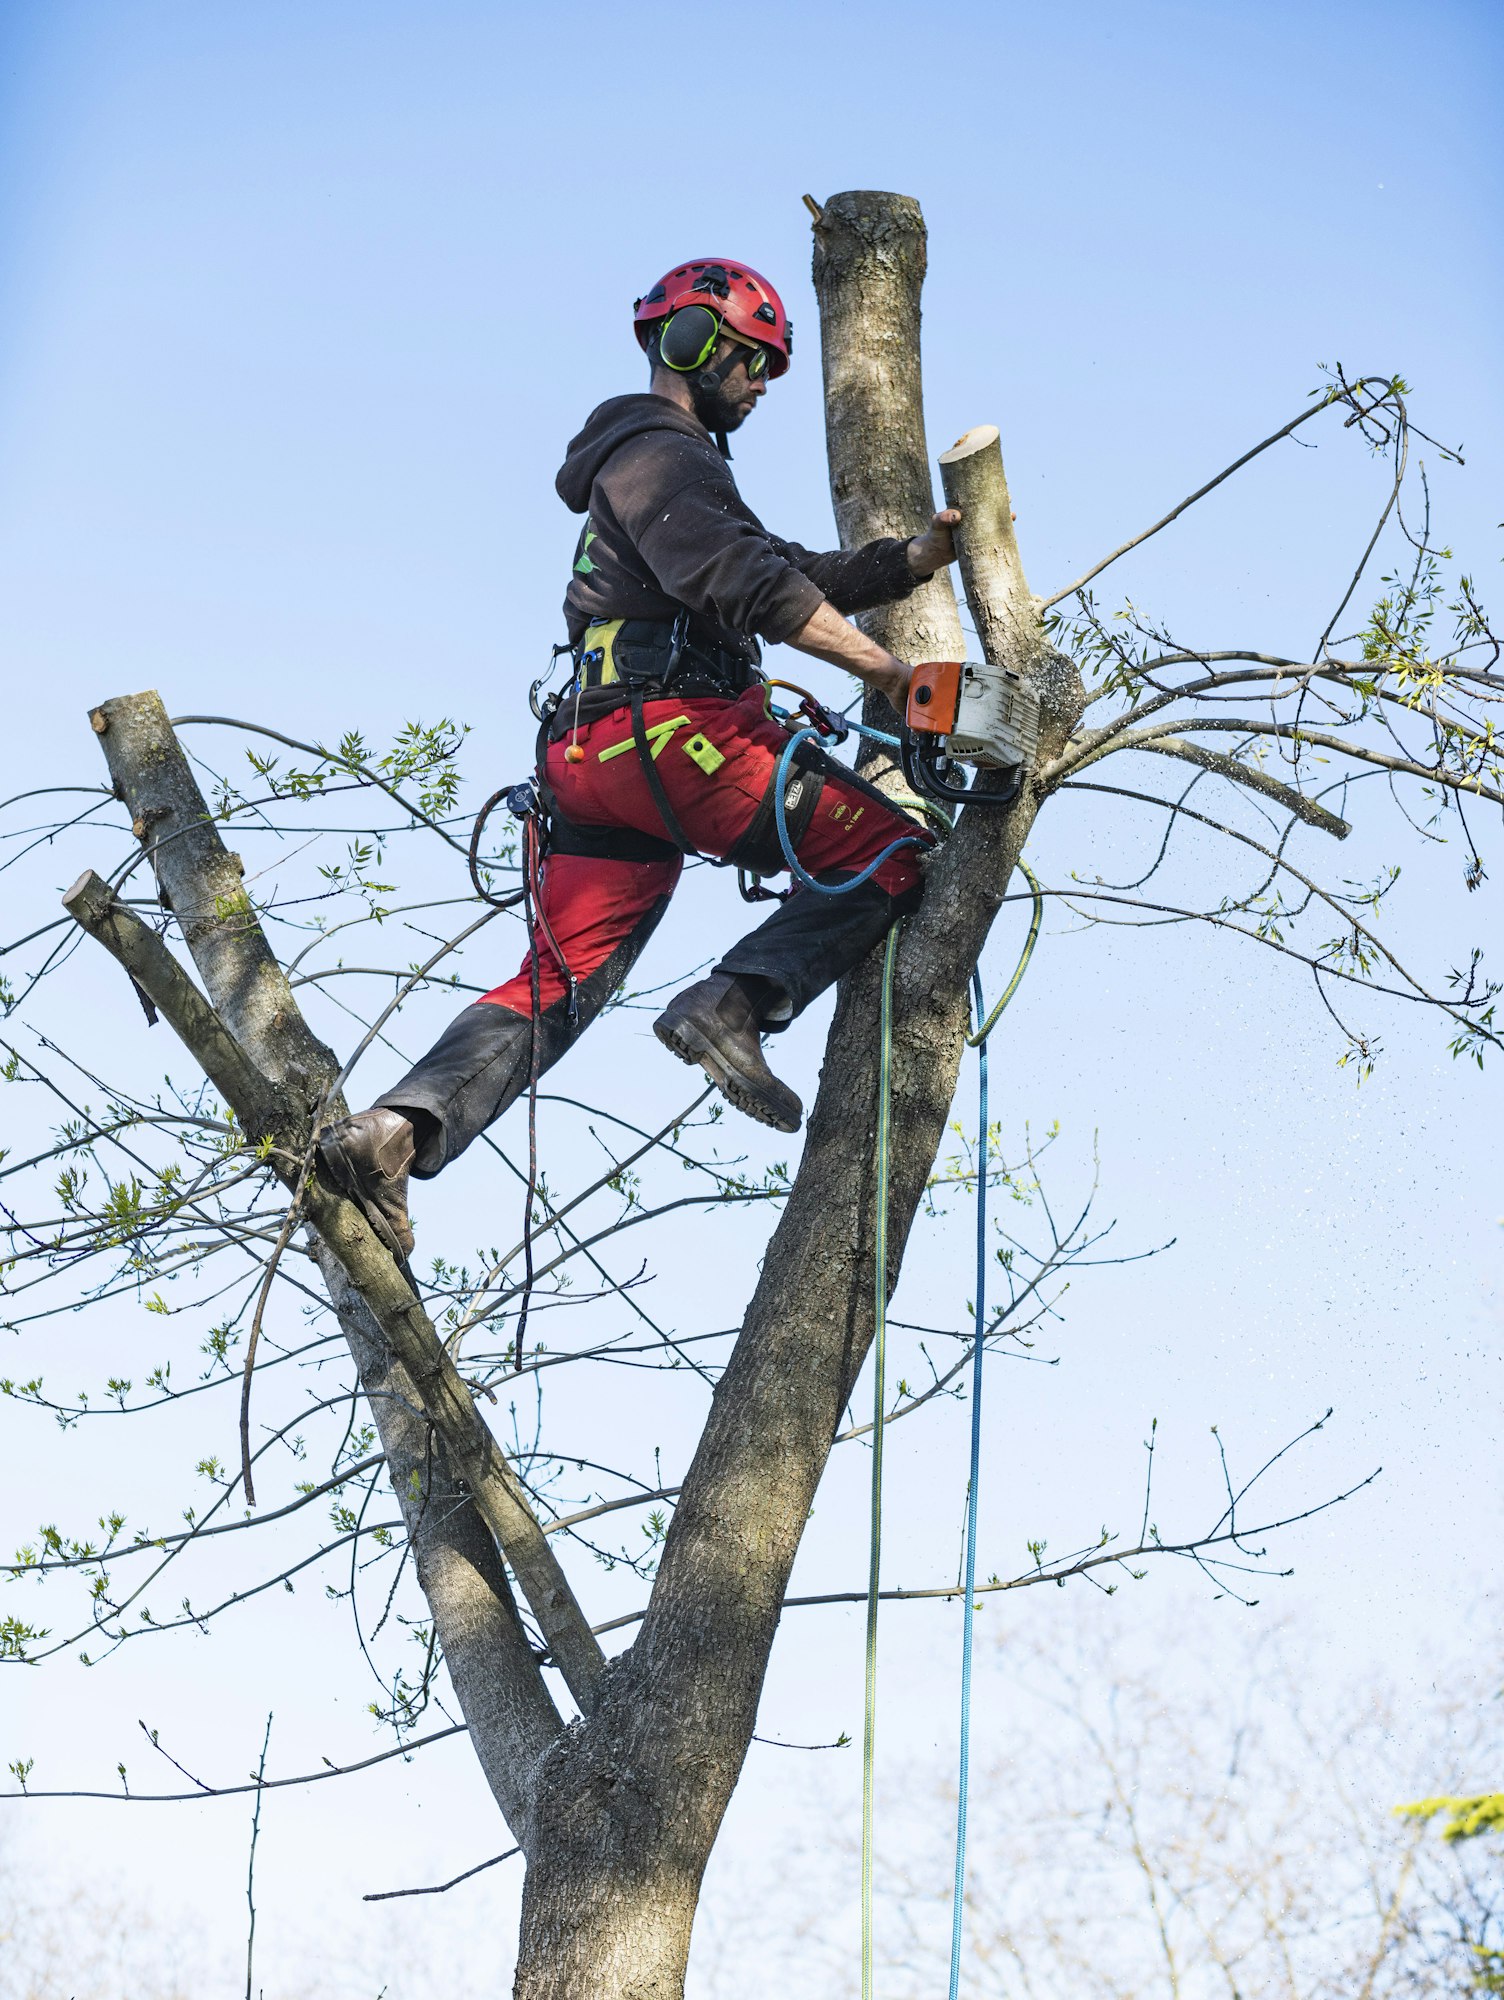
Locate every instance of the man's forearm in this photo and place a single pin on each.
(828, 636)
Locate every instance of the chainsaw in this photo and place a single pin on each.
(968, 712)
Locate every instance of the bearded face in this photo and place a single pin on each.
(725, 404)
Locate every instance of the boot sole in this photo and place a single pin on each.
(346, 1177)
(690, 1046)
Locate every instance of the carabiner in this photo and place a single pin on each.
(816, 715)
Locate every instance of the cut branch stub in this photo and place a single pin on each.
(1002, 607)
(996, 592)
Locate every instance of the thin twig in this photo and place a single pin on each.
(253, 1338)
(438, 1888)
(250, 1873)
(1057, 1573)
(259, 1783)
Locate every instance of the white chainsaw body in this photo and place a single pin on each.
(997, 718)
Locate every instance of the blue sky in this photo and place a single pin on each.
(301, 306)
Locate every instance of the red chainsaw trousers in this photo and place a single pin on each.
(716, 759)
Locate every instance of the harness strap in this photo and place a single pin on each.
(666, 812)
(605, 843)
(758, 848)
(581, 706)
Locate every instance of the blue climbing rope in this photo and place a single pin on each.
(796, 868)
(879, 1383)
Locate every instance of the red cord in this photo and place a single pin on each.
(529, 906)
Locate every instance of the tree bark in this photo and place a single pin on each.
(200, 881)
(869, 265)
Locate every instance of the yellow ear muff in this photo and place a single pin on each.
(689, 338)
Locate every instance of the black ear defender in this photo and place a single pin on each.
(689, 338)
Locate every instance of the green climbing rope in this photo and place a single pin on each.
(975, 1041)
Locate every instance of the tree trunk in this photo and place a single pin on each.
(630, 1801)
(622, 1827)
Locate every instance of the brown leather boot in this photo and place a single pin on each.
(368, 1157)
(715, 1024)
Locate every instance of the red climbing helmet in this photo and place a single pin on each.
(737, 294)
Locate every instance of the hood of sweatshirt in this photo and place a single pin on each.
(608, 428)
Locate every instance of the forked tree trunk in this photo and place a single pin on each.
(617, 1812)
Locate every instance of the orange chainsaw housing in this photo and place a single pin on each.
(934, 697)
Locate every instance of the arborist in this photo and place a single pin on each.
(664, 744)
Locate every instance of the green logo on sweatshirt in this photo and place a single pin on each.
(584, 566)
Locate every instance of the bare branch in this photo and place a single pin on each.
(1285, 430)
(1306, 809)
(445, 1399)
(1058, 1573)
(1153, 738)
(255, 1785)
(439, 1888)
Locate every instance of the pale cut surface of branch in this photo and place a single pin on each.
(997, 594)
